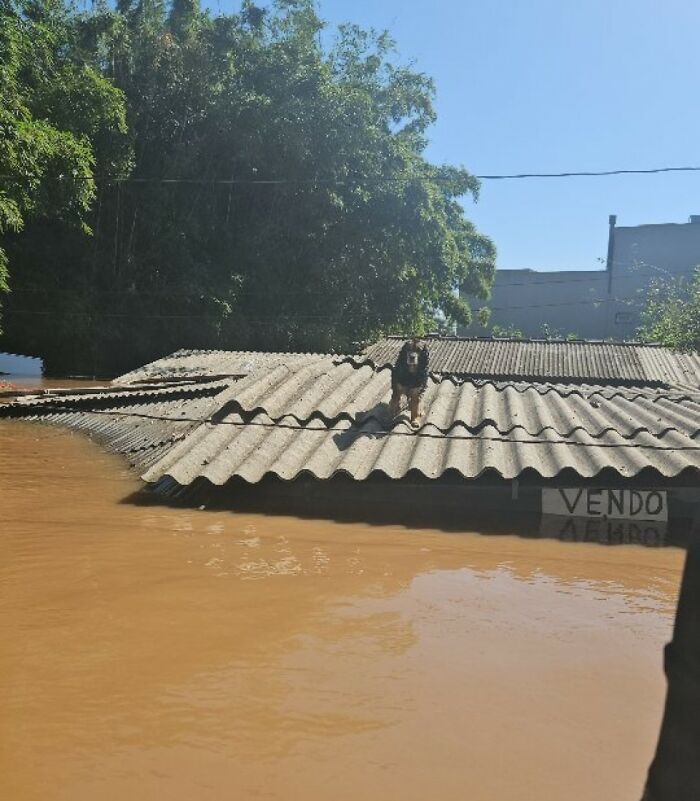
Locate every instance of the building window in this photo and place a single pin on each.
(621, 318)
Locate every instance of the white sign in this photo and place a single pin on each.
(620, 504)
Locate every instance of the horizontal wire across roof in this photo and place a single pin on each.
(142, 426)
(252, 448)
(323, 418)
(323, 415)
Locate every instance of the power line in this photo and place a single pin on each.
(120, 179)
(585, 174)
(275, 318)
(594, 275)
(597, 275)
(262, 292)
(625, 301)
(139, 316)
(356, 427)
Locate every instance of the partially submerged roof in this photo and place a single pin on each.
(209, 364)
(142, 424)
(566, 360)
(323, 416)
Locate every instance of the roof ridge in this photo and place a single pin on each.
(526, 340)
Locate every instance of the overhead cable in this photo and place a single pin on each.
(351, 181)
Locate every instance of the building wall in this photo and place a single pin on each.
(641, 254)
(596, 304)
(567, 302)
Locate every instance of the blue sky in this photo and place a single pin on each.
(549, 86)
(554, 86)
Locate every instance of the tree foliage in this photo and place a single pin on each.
(671, 315)
(300, 211)
(55, 114)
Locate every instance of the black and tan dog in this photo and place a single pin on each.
(409, 378)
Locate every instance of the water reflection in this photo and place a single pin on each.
(653, 534)
(451, 508)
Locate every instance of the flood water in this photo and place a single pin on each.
(152, 652)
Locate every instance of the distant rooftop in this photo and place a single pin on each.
(490, 358)
(579, 361)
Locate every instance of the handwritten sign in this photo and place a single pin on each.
(616, 504)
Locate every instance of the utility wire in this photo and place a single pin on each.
(279, 318)
(137, 315)
(595, 275)
(585, 174)
(355, 428)
(351, 181)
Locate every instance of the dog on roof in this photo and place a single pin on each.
(409, 378)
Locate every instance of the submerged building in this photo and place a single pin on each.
(506, 423)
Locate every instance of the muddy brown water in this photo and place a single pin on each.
(154, 652)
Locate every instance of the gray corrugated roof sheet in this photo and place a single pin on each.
(598, 362)
(140, 425)
(252, 448)
(321, 416)
(197, 364)
(333, 391)
(324, 418)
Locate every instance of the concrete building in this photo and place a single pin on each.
(596, 304)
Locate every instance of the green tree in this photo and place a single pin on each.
(56, 115)
(506, 332)
(671, 315)
(332, 228)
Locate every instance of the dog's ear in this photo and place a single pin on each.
(423, 361)
(402, 357)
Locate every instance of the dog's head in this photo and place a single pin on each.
(413, 355)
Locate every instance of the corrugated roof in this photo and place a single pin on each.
(321, 416)
(599, 362)
(101, 396)
(253, 448)
(324, 418)
(140, 425)
(333, 391)
(197, 364)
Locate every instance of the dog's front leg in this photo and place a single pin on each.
(395, 402)
(416, 410)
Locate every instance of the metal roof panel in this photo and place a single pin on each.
(544, 359)
(324, 415)
(189, 364)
